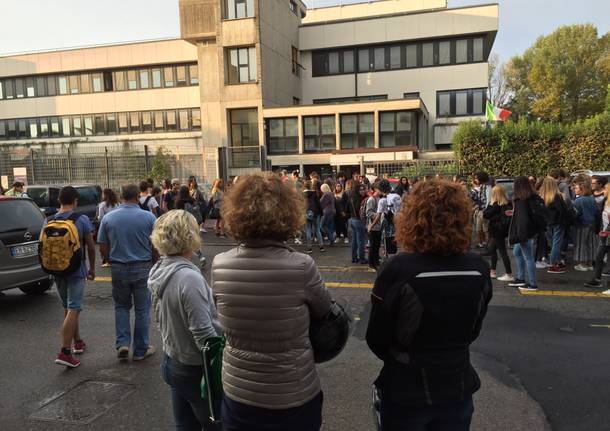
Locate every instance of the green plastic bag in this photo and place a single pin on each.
(211, 382)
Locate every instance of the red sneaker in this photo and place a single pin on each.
(79, 347)
(67, 360)
(556, 269)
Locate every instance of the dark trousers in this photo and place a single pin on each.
(241, 417)
(191, 413)
(448, 417)
(498, 245)
(541, 246)
(375, 243)
(340, 226)
(602, 249)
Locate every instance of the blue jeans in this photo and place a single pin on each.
(358, 238)
(131, 281)
(524, 258)
(328, 222)
(313, 228)
(70, 290)
(556, 233)
(447, 417)
(191, 413)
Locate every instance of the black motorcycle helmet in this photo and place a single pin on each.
(329, 335)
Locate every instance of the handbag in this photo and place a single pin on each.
(211, 383)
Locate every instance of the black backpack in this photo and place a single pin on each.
(144, 205)
(539, 213)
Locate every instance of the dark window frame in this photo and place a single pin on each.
(228, 65)
(319, 136)
(469, 101)
(282, 141)
(359, 135)
(398, 134)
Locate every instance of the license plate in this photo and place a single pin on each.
(26, 250)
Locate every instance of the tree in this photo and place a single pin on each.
(499, 93)
(161, 168)
(563, 76)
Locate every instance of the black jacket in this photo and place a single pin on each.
(426, 311)
(529, 218)
(558, 212)
(499, 222)
(353, 204)
(312, 202)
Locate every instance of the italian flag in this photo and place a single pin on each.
(493, 113)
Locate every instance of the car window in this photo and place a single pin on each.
(40, 195)
(87, 196)
(19, 215)
(54, 198)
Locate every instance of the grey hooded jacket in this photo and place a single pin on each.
(266, 293)
(183, 307)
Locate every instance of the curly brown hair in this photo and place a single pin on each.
(435, 219)
(262, 206)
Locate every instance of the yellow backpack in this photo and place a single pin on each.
(59, 250)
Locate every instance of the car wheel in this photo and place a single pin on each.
(38, 288)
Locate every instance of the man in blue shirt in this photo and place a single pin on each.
(72, 287)
(124, 238)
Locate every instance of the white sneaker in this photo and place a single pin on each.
(202, 230)
(298, 241)
(580, 267)
(590, 268)
(541, 265)
(506, 277)
(346, 241)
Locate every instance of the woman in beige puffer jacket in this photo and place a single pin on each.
(265, 294)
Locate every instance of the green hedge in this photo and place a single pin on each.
(533, 148)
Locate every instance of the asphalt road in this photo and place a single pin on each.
(543, 361)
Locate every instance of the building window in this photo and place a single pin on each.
(119, 80)
(183, 117)
(156, 78)
(85, 83)
(241, 65)
(193, 74)
(144, 79)
(168, 76)
(196, 119)
(395, 57)
(146, 122)
(348, 61)
(107, 81)
(282, 136)
(294, 8)
(2, 129)
(295, 61)
(319, 134)
(11, 129)
(428, 54)
(40, 87)
(181, 76)
(19, 88)
(65, 126)
(54, 126)
(364, 60)
(44, 127)
(170, 117)
(411, 96)
(444, 52)
(296, 101)
(132, 80)
(74, 84)
(1, 91)
(33, 127)
(22, 129)
(134, 122)
(123, 125)
(396, 129)
(379, 54)
(477, 49)
(244, 127)
(335, 100)
(88, 123)
(357, 131)
(77, 126)
(455, 103)
(158, 118)
(236, 9)
(9, 91)
(30, 90)
(461, 51)
(97, 81)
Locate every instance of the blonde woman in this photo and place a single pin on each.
(215, 206)
(185, 310)
(603, 249)
(499, 214)
(558, 222)
(584, 235)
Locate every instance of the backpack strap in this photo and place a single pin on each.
(144, 205)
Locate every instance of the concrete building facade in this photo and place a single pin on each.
(261, 84)
(284, 86)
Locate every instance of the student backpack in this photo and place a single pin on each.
(59, 250)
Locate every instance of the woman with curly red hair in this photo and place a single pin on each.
(428, 306)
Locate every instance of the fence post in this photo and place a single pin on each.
(32, 166)
(107, 165)
(69, 165)
(146, 164)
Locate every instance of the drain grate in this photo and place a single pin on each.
(84, 403)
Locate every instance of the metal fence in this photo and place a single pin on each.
(413, 168)
(106, 165)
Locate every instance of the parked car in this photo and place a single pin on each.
(20, 225)
(507, 185)
(47, 198)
